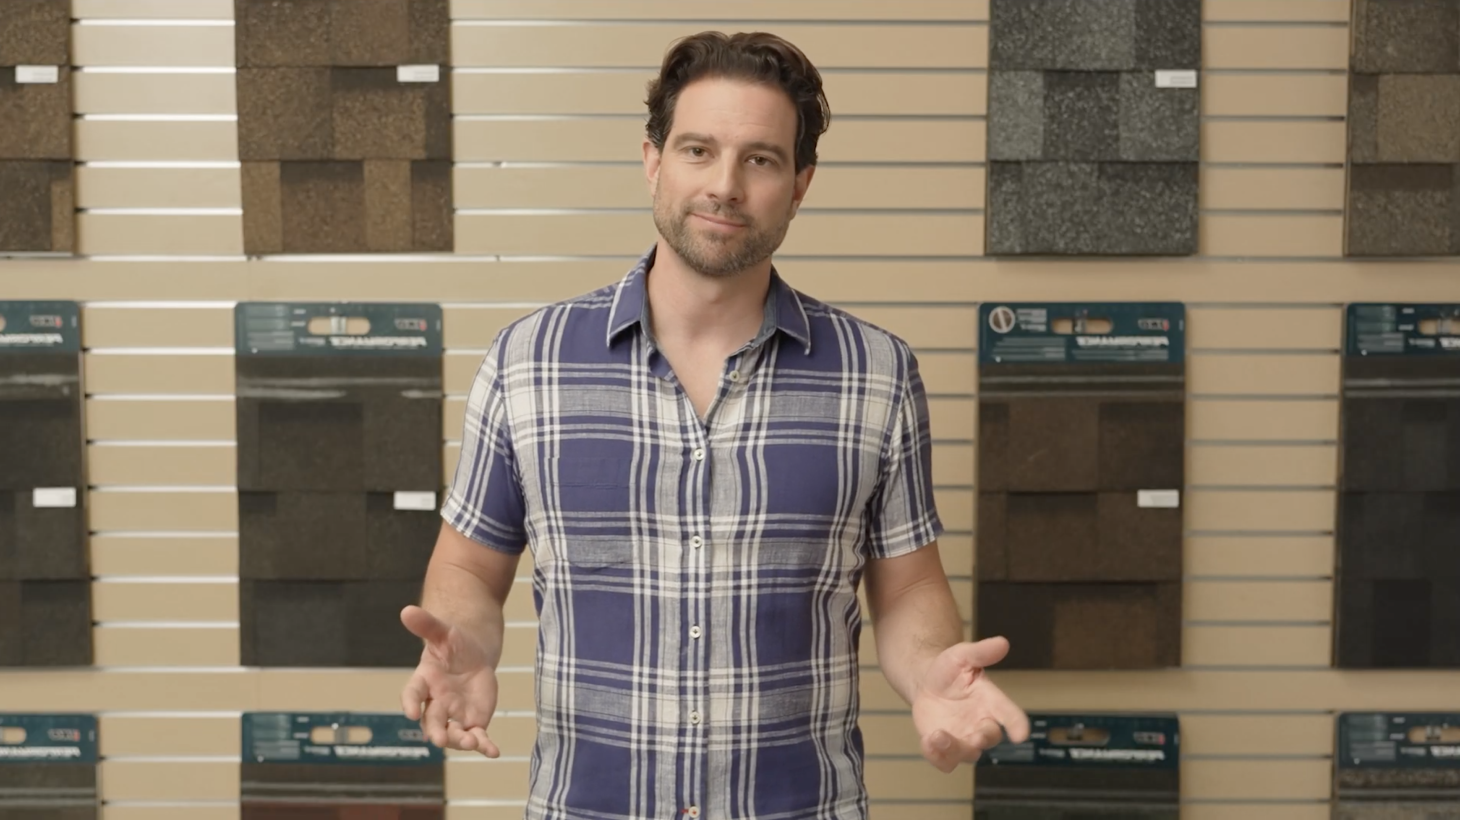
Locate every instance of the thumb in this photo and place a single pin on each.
(950, 666)
(425, 626)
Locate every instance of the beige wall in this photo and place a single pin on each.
(897, 243)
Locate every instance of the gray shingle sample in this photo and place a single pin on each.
(1418, 118)
(1158, 124)
(1081, 115)
(1096, 63)
(1017, 133)
(1363, 118)
(1406, 36)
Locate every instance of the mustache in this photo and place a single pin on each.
(718, 211)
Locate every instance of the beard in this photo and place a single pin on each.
(713, 254)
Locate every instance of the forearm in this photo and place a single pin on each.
(456, 594)
(914, 629)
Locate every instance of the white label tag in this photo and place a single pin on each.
(53, 498)
(418, 73)
(415, 501)
(37, 74)
(1171, 78)
(1165, 499)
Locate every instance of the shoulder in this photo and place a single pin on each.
(858, 342)
(556, 329)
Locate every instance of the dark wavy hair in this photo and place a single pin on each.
(757, 57)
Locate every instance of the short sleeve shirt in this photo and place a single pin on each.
(696, 578)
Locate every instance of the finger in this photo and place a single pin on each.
(940, 749)
(459, 738)
(986, 652)
(1016, 722)
(986, 735)
(435, 723)
(413, 696)
(484, 744)
(424, 625)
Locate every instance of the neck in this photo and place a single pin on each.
(688, 308)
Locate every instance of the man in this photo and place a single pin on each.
(706, 463)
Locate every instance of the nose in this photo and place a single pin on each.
(725, 184)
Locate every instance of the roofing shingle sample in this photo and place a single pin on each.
(323, 206)
(1083, 626)
(272, 33)
(25, 206)
(1402, 210)
(388, 225)
(263, 203)
(35, 32)
(370, 32)
(40, 544)
(45, 623)
(284, 114)
(1406, 36)
(433, 211)
(37, 118)
(430, 31)
(1419, 118)
(378, 117)
(1101, 110)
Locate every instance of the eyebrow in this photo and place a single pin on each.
(763, 147)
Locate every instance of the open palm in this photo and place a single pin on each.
(453, 692)
(959, 712)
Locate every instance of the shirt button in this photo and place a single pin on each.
(694, 811)
(694, 717)
(735, 375)
(699, 455)
(696, 542)
(694, 632)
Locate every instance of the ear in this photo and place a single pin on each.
(652, 158)
(803, 184)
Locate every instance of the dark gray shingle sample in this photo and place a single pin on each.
(1418, 118)
(293, 623)
(1158, 124)
(1167, 34)
(1401, 210)
(1016, 115)
(284, 114)
(35, 32)
(1149, 208)
(1406, 36)
(1081, 115)
(1062, 34)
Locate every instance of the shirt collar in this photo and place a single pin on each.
(784, 310)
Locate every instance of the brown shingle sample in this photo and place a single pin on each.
(37, 118)
(1404, 129)
(320, 97)
(35, 32)
(1071, 565)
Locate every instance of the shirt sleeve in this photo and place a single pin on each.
(485, 502)
(903, 516)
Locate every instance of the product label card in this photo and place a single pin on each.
(345, 738)
(338, 328)
(47, 738)
(1396, 740)
(1402, 330)
(1149, 741)
(1074, 332)
(31, 326)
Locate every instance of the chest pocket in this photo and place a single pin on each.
(593, 502)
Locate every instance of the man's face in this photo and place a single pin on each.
(725, 186)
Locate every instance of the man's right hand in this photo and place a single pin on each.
(453, 692)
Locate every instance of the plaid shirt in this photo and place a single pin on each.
(696, 581)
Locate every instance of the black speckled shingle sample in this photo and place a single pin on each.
(1083, 626)
(327, 624)
(1092, 208)
(1095, 64)
(41, 544)
(45, 623)
(1085, 793)
(35, 32)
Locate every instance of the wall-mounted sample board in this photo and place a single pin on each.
(344, 125)
(339, 766)
(1397, 765)
(1397, 595)
(37, 187)
(45, 572)
(339, 419)
(48, 767)
(1084, 767)
(1081, 468)
(1094, 127)
(1404, 129)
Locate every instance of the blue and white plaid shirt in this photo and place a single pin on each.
(696, 581)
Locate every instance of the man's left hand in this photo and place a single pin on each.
(959, 712)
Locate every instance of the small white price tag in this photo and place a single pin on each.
(418, 73)
(1170, 78)
(53, 498)
(37, 74)
(1161, 499)
(415, 501)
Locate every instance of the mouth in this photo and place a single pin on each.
(724, 223)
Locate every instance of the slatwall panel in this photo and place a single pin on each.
(548, 106)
